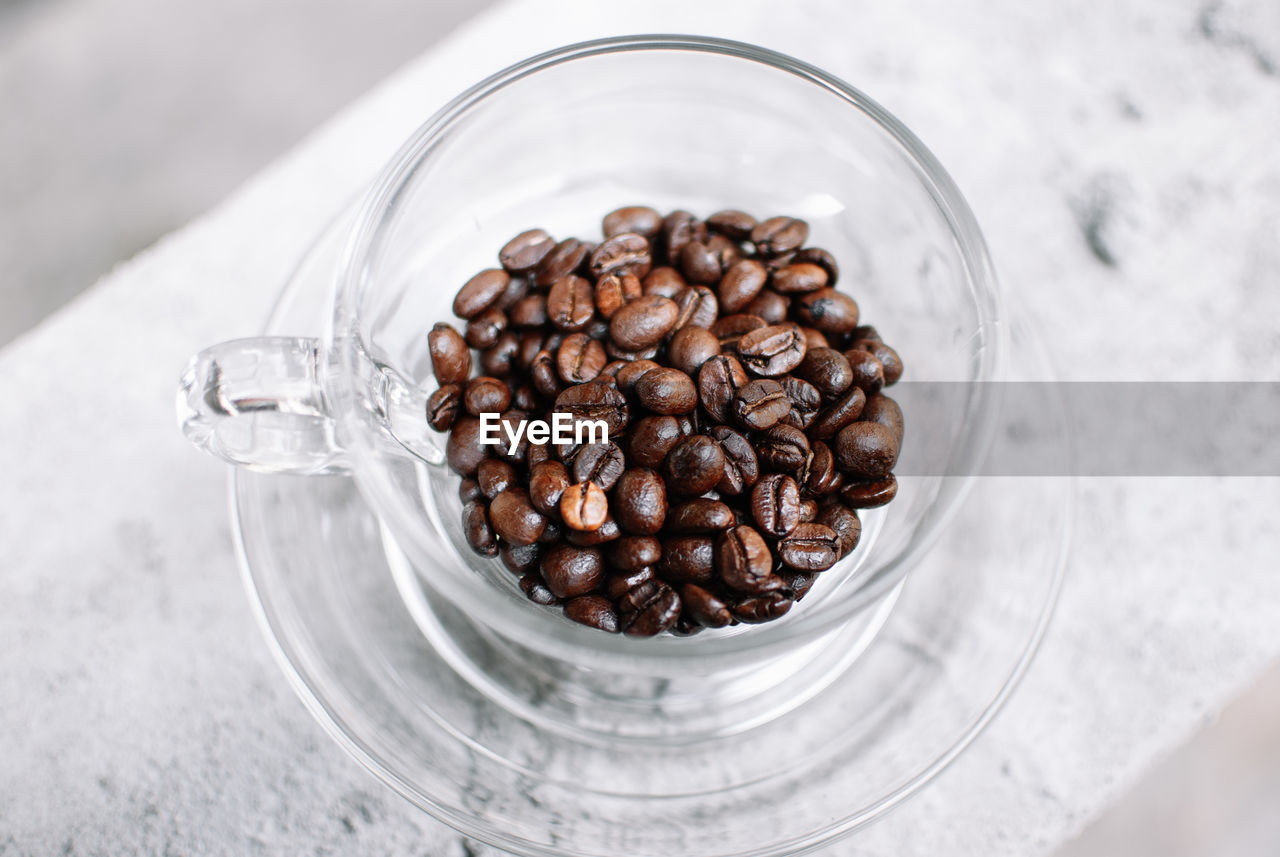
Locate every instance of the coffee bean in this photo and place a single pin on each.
(594, 611)
(520, 559)
(770, 306)
(568, 257)
(730, 328)
(495, 476)
(526, 250)
(703, 607)
(513, 517)
(827, 370)
(779, 235)
(743, 561)
(773, 350)
(695, 465)
(469, 489)
(580, 359)
(699, 263)
(741, 284)
(868, 495)
(553, 534)
(613, 291)
(696, 306)
(798, 278)
(760, 404)
(639, 219)
(648, 609)
(796, 584)
(547, 483)
(810, 547)
(584, 506)
(845, 523)
(885, 411)
(775, 504)
(571, 571)
(536, 590)
(808, 509)
(741, 468)
(484, 330)
(690, 347)
(601, 463)
(867, 370)
(887, 356)
(732, 224)
(815, 338)
(500, 359)
(822, 477)
(678, 229)
(528, 312)
(783, 449)
(595, 401)
(631, 372)
(633, 553)
(699, 516)
(865, 331)
(827, 310)
(726, 251)
(821, 258)
(625, 253)
(652, 438)
(615, 353)
(687, 559)
(866, 451)
(805, 401)
(443, 406)
(719, 381)
(450, 359)
(463, 450)
(618, 584)
(643, 322)
(542, 371)
(508, 422)
(761, 608)
(665, 282)
(538, 453)
(475, 526)
(570, 303)
(486, 395)
(835, 417)
(667, 391)
(608, 531)
(480, 292)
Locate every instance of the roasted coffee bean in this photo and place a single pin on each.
(743, 561)
(595, 401)
(580, 358)
(611, 370)
(486, 395)
(631, 372)
(760, 404)
(665, 282)
(815, 338)
(798, 278)
(469, 489)
(495, 476)
(667, 391)
(808, 510)
(741, 468)
(719, 381)
(547, 483)
(520, 559)
(508, 424)
(517, 289)
(526, 250)
(780, 261)
(687, 559)
(625, 253)
(537, 453)
(732, 224)
(696, 306)
(845, 523)
(835, 417)
(694, 466)
(463, 450)
(770, 306)
(779, 235)
(513, 517)
(500, 359)
(475, 526)
(484, 330)
(772, 351)
(741, 283)
(594, 611)
(480, 292)
(535, 589)
(730, 328)
(868, 495)
(615, 353)
(822, 478)
(553, 534)
(542, 371)
(570, 303)
(633, 553)
(648, 609)
(613, 291)
(699, 263)
(640, 219)
(678, 229)
(783, 449)
(726, 252)
(584, 506)
(443, 406)
(827, 310)
(525, 398)
(703, 607)
(530, 344)
(805, 401)
(887, 356)
(821, 258)
(810, 547)
(700, 516)
(866, 451)
(529, 312)
(865, 331)
(601, 463)
(690, 347)
(797, 583)
(568, 257)
(652, 438)
(827, 370)
(450, 359)
(607, 532)
(572, 571)
(761, 608)
(618, 585)
(643, 322)
(867, 370)
(885, 411)
(775, 504)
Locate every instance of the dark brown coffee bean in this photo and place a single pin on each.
(463, 450)
(631, 372)
(772, 351)
(546, 380)
(618, 584)
(450, 358)
(866, 451)
(828, 310)
(796, 583)
(696, 306)
(845, 523)
(517, 289)
(469, 489)
(695, 465)
(821, 258)
(643, 322)
(699, 263)
(443, 406)
(667, 391)
(760, 404)
(827, 370)
(553, 534)
(735, 225)
(508, 424)
(741, 284)
(700, 516)
(815, 338)
(614, 290)
(835, 417)
(568, 257)
(805, 401)
(865, 331)
(779, 235)
(475, 526)
(525, 398)
(595, 401)
(484, 330)
(687, 559)
(529, 312)
(640, 219)
(580, 359)
(770, 306)
(526, 250)
(570, 303)
(775, 504)
(625, 253)
(500, 359)
(572, 571)
(584, 506)
(536, 590)
(678, 229)
(537, 453)
(495, 476)
(887, 356)
(869, 495)
(703, 607)
(808, 510)
(810, 547)
(634, 553)
(726, 251)
(595, 611)
(741, 468)
(867, 370)
(719, 381)
(615, 353)
(480, 292)
(822, 478)
(520, 559)
(530, 344)
(601, 463)
(607, 532)
(690, 347)
(783, 449)
(547, 483)
(743, 561)
(761, 608)
(885, 411)
(730, 328)
(513, 517)
(652, 438)
(798, 278)
(648, 609)
(486, 395)
(665, 282)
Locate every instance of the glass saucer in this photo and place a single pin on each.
(355, 640)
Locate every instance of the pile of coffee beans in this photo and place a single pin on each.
(743, 402)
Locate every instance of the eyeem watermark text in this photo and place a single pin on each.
(563, 428)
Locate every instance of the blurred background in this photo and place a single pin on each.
(122, 120)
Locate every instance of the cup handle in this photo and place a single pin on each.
(258, 403)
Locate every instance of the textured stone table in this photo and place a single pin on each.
(1123, 161)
